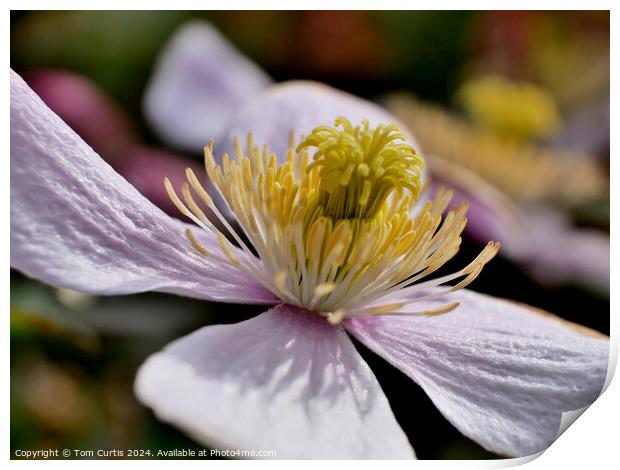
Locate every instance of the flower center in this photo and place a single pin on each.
(337, 235)
(361, 167)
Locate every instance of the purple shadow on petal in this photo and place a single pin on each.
(484, 224)
(558, 252)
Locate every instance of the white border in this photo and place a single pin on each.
(310, 5)
(592, 441)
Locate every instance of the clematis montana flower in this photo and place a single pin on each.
(334, 246)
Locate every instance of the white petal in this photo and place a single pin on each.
(299, 107)
(501, 372)
(75, 223)
(285, 381)
(199, 81)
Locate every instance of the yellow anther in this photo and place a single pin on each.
(280, 281)
(385, 308)
(324, 289)
(198, 247)
(189, 200)
(225, 246)
(175, 199)
(365, 193)
(336, 317)
(200, 190)
(346, 175)
(315, 240)
(442, 310)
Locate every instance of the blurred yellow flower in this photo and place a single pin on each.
(516, 110)
(526, 172)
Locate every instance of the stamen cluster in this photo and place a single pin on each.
(335, 235)
(360, 167)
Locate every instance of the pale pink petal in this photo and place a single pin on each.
(75, 223)
(199, 82)
(587, 129)
(502, 373)
(285, 381)
(299, 107)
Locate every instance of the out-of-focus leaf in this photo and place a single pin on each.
(35, 313)
(463, 449)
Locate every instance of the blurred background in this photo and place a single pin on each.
(517, 101)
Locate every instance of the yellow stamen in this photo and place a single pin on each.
(336, 317)
(324, 289)
(280, 280)
(385, 308)
(226, 249)
(199, 248)
(345, 157)
(335, 235)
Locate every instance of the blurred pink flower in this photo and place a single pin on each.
(145, 168)
(86, 109)
(528, 214)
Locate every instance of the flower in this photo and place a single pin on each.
(522, 192)
(527, 173)
(334, 236)
(288, 380)
(514, 110)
